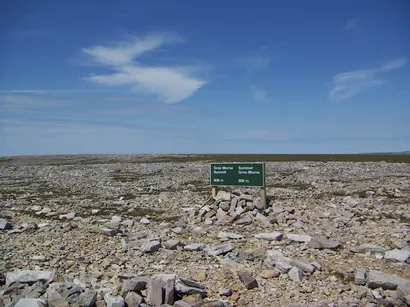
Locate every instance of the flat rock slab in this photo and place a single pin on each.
(397, 255)
(372, 248)
(150, 246)
(161, 289)
(27, 276)
(219, 250)
(302, 265)
(171, 244)
(229, 235)
(299, 238)
(272, 236)
(321, 242)
(223, 196)
(194, 247)
(377, 279)
(30, 302)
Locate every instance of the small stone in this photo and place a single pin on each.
(223, 217)
(264, 220)
(247, 279)
(5, 225)
(116, 219)
(198, 275)
(360, 276)
(377, 279)
(150, 246)
(223, 196)
(134, 285)
(114, 301)
(302, 265)
(182, 288)
(299, 238)
(87, 298)
(225, 206)
(295, 274)
(397, 255)
(317, 265)
(246, 197)
(133, 299)
(225, 292)
(246, 219)
(219, 250)
(229, 235)
(283, 267)
(194, 247)
(95, 211)
(30, 302)
(267, 274)
(68, 216)
(145, 221)
(321, 242)
(273, 236)
(171, 244)
(58, 303)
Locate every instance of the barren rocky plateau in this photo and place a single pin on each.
(145, 231)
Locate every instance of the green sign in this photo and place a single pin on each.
(238, 174)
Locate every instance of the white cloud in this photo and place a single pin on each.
(170, 84)
(347, 84)
(258, 94)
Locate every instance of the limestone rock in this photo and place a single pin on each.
(5, 225)
(27, 276)
(30, 302)
(321, 242)
(194, 247)
(133, 299)
(360, 276)
(223, 196)
(273, 236)
(295, 274)
(114, 301)
(150, 246)
(161, 289)
(299, 237)
(397, 255)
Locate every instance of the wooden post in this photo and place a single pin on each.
(214, 192)
(263, 197)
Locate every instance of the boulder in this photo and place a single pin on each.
(161, 289)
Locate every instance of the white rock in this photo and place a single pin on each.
(295, 274)
(30, 302)
(27, 276)
(68, 216)
(116, 219)
(194, 247)
(298, 237)
(223, 196)
(397, 255)
(145, 221)
(272, 236)
(114, 301)
(229, 235)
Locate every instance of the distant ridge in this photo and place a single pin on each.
(406, 152)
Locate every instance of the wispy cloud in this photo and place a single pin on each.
(258, 94)
(351, 24)
(347, 84)
(254, 62)
(170, 84)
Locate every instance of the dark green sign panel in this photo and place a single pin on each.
(238, 174)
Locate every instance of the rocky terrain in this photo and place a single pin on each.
(144, 231)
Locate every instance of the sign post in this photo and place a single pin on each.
(238, 174)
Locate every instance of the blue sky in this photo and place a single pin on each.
(204, 76)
